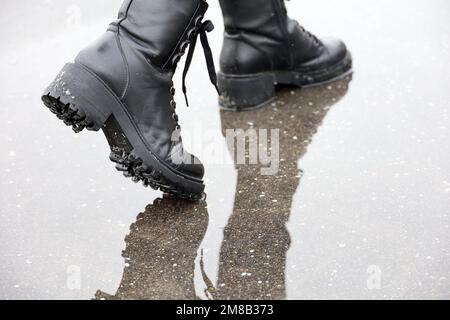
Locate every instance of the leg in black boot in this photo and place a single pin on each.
(122, 83)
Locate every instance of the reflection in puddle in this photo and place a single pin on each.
(160, 251)
(162, 246)
(256, 240)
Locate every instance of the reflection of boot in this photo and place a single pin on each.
(263, 46)
(253, 254)
(161, 250)
(123, 84)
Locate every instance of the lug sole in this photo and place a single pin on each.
(83, 101)
(253, 91)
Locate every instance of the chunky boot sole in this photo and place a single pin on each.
(83, 101)
(253, 91)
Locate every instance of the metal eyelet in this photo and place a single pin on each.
(191, 34)
(184, 46)
(176, 59)
(198, 20)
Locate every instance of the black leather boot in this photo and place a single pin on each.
(122, 83)
(264, 47)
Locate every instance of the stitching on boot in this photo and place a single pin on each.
(122, 52)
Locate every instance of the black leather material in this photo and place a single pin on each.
(155, 26)
(259, 36)
(137, 57)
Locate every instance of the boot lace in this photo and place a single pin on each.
(200, 29)
(308, 34)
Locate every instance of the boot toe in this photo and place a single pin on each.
(335, 48)
(193, 168)
(186, 163)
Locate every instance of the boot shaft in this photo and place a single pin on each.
(255, 36)
(159, 28)
(260, 36)
(265, 17)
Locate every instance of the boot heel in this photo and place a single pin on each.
(240, 93)
(79, 98)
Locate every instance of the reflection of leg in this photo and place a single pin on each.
(263, 46)
(253, 253)
(161, 250)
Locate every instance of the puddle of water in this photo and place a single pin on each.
(357, 209)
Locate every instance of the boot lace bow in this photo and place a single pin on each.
(201, 29)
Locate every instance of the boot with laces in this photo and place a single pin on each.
(263, 47)
(122, 84)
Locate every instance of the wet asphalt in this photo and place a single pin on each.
(358, 209)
